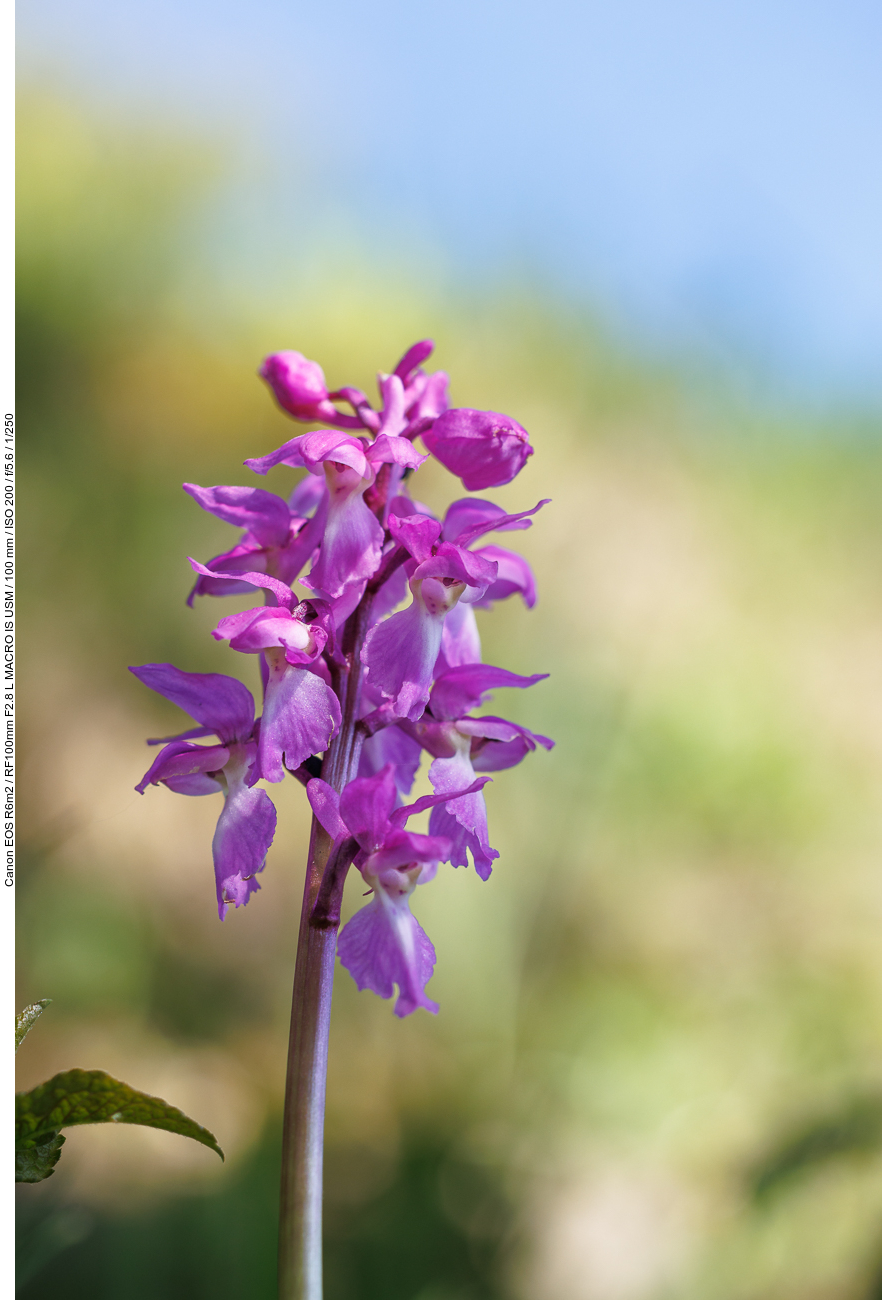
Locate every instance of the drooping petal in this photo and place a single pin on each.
(459, 690)
(183, 759)
(384, 945)
(262, 513)
(463, 820)
(244, 556)
(513, 575)
(244, 833)
(484, 448)
(496, 748)
(288, 454)
(213, 699)
(280, 590)
(400, 815)
(301, 714)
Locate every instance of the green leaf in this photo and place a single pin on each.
(33, 1164)
(93, 1097)
(26, 1018)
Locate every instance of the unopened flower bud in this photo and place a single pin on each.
(485, 449)
(297, 383)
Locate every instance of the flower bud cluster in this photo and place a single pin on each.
(355, 689)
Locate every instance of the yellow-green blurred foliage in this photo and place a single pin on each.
(677, 962)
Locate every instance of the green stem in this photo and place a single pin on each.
(300, 1208)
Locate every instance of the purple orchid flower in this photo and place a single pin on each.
(278, 540)
(483, 448)
(225, 708)
(462, 745)
(384, 944)
(301, 713)
(353, 536)
(400, 653)
(465, 521)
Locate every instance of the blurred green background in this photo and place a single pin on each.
(657, 1071)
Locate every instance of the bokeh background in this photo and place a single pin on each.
(651, 235)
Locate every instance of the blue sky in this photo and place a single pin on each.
(707, 172)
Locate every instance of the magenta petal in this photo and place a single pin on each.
(307, 495)
(245, 555)
(244, 833)
(300, 716)
(459, 690)
(391, 745)
(513, 574)
(365, 805)
(351, 548)
(499, 753)
(463, 820)
(298, 384)
(402, 848)
(451, 561)
(380, 952)
(460, 639)
(325, 803)
(471, 517)
(282, 592)
(432, 400)
(181, 758)
(192, 733)
(413, 357)
(386, 449)
(213, 699)
(484, 448)
(193, 784)
(393, 417)
(288, 454)
(400, 815)
(471, 512)
(417, 533)
(262, 513)
(331, 444)
(261, 629)
(400, 656)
